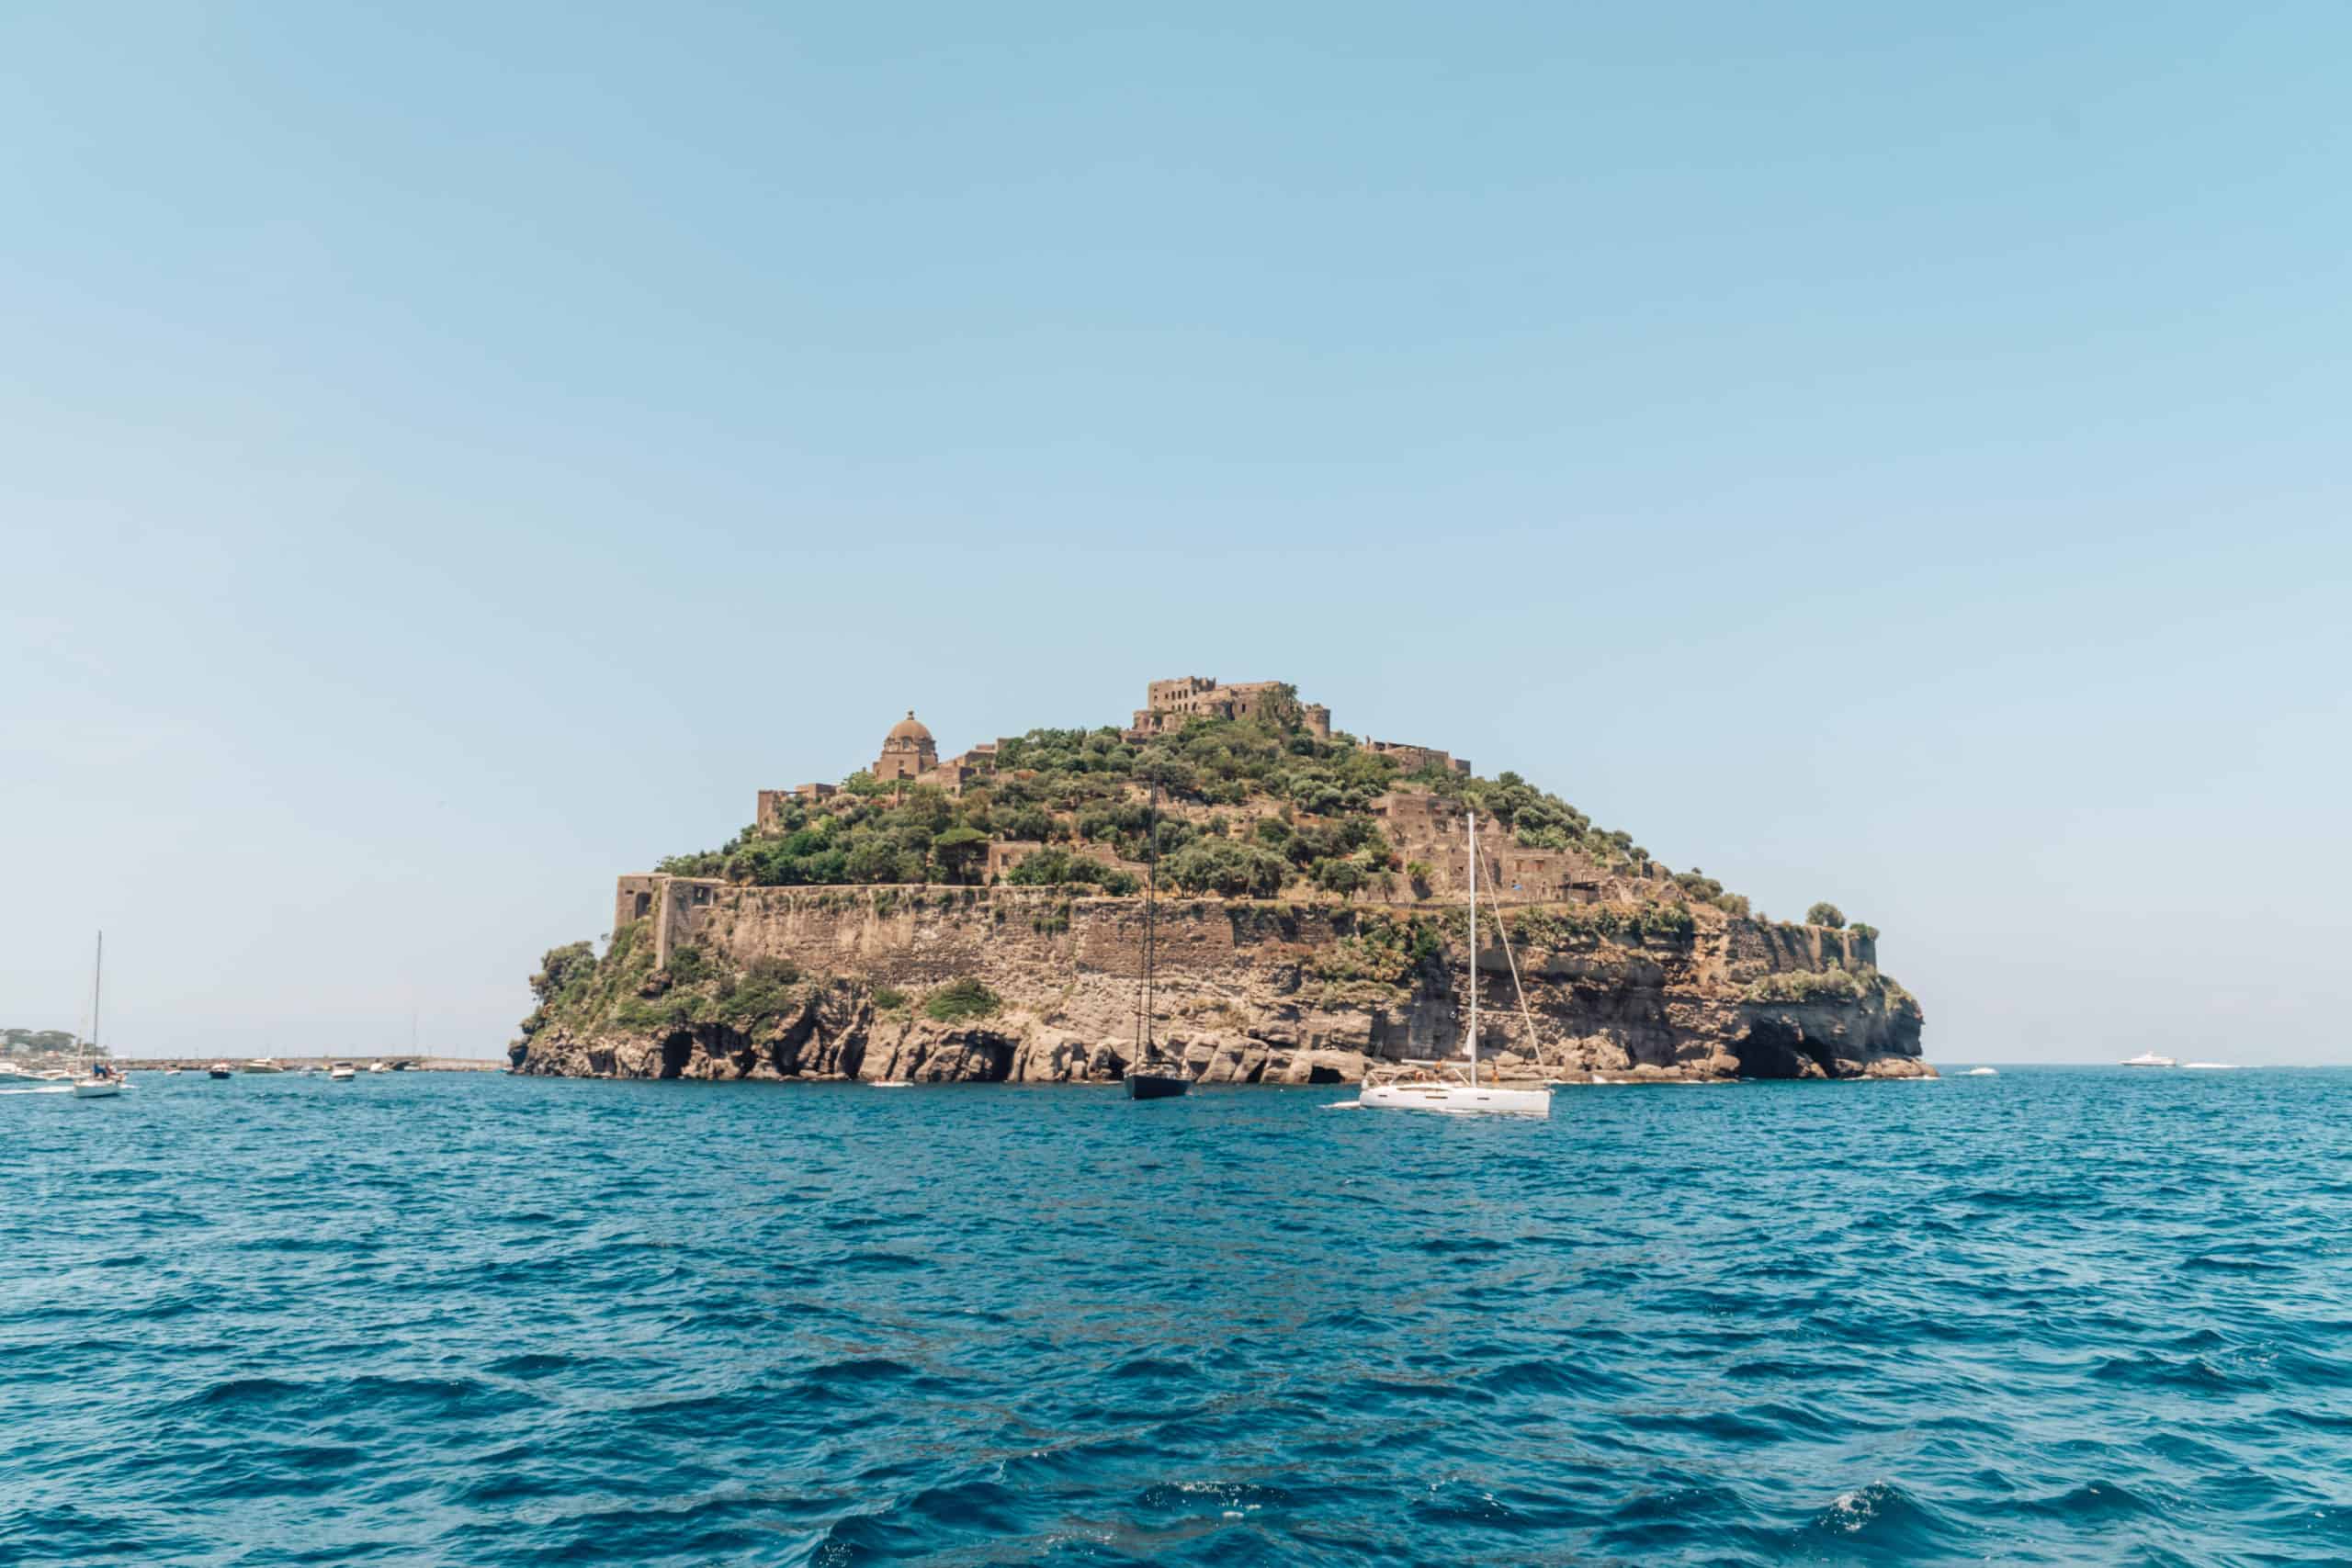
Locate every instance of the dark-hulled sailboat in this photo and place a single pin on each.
(1152, 1078)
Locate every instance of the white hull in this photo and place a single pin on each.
(1981, 1073)
(1456, 1098)
(96, 1088)
(2150, 1060)
(340, 1075)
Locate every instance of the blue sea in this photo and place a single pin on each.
(2051, 1316)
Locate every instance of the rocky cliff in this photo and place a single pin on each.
(1033, 986)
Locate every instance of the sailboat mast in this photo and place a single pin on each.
(1150, 921)
(1474, 947)
(98, 975)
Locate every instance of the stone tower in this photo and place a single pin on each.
(906, 751)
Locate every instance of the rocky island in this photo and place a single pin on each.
(981, 918)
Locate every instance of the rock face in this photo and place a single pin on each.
(1248, 993)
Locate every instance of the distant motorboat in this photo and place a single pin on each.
(261, 1065)
(56, 1075)
(1981, 1073)
(172, 1072)
(342, 1072)
(218, 1070)
(377, 1067)
(893, 1083)
(2150, 1059)
(2209, 1067)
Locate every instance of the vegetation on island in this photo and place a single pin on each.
(1250, 809)
(1834, 982)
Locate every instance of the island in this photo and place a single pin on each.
(982, 918)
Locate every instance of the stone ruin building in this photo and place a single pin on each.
(1168, 704)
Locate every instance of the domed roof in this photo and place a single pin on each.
(908, 729)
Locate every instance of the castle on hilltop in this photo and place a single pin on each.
(1423, 828)
(909, 755)
(1167, 704)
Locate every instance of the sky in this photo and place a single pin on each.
(451, 455)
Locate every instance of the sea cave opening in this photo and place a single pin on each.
(1772, 1050)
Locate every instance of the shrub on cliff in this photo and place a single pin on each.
(960, 999)
(1825, 914)
(1381, 950)
(1224, 866)
(1057, 867)
(1833, 983)
(1864, 929)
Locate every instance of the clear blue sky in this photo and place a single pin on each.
(452, 455)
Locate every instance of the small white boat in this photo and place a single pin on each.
(2149, 1059)
(893, 1083)
(377, 1067)
(2209, 1067)
(56, 1075)
(1981, 1073)
(342, 1072)
(261, 1065)
(1466, 1098)
(97, 1087)
(172, 1072)
(218, 1070)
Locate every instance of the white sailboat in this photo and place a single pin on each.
(96, 1081)
(1456, 1097)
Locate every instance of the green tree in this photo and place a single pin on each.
(1825, 914)
(960, 852)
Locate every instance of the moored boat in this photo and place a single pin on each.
(342, 1072)
(261, 1065)
(1157, 1083)
(2149, 1059)
(1423, 1090)
(1152, 1076)
(218, 1070)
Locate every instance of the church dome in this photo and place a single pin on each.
(908, 729)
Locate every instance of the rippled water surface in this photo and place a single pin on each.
(2051, 1316)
